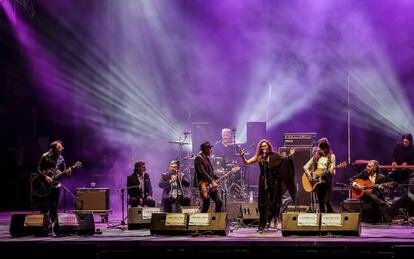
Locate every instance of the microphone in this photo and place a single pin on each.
(264, 153)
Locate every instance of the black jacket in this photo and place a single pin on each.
(203, 169)
(281, 167)
(136, 190)
(166, 186)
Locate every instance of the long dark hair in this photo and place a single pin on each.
(323, 144)
(409, 137)
(259, 152)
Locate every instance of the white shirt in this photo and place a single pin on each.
(322, 163)
(373, 178)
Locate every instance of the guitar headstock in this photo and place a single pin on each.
(343, 164)
(78, 164)
(235, 169)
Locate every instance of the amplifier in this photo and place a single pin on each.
(299, 139)
(92, 199)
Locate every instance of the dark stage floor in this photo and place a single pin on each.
(379, 241)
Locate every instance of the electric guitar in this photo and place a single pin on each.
(41, 188)
(367, 186)
(206, 188)
(310, 183)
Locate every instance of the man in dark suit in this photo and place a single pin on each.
(205, 177)
(173, 183)
(375, 198)
(139, 187)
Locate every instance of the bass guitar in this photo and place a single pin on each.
(206, 188)
(41, 188)
(310, 183)
(367, 186)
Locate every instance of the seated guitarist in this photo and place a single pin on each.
(323, 159)
(50, 161)
(372, 195)
(204, 173)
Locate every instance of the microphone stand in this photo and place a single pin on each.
(123, 206)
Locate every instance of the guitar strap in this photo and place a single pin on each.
(206, 161)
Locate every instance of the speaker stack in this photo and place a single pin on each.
(139, 218)
(81, 223)
(249, 212)
(185, 224)
(302, 143)
(344, 224)
(29, 225)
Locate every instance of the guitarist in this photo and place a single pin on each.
(204, 172)
(51, 161)
(323, 159)
(375, 198)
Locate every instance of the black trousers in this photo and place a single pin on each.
(270, 200)
(49, 204)
(168, 202)
(139, 201)
(216, 198)
(324, 193)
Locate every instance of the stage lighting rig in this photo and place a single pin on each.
(25, 6)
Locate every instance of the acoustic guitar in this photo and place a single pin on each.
(367, 186)
(310, 183)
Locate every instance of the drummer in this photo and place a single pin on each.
(224, 151)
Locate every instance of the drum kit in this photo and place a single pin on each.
(233, 187)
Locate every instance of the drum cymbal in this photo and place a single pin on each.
(178, 142)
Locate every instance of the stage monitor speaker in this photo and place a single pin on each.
(190, 209)
(299, 208)
(249, 212)
(67, 224)
(300, 224)
(352, 205)
(300, 158)
(208, 223)
(233, 210)
(92, 199)
(86, 223)
(81, 223)
(344, 224)
(404, 204)
(29, 225)
(169, 224)
(140, 217)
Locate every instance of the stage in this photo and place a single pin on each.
(379, 241)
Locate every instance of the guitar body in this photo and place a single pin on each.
(205, 188)
(310, 184)
(357, 193)
(41, 189)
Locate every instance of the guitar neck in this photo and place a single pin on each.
(61, 174)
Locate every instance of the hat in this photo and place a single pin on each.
(205, 145)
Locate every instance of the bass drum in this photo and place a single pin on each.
(218, 164)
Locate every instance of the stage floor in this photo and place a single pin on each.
(379, 241)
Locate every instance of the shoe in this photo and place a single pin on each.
(261, 229)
